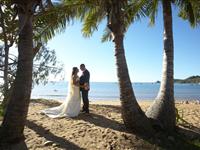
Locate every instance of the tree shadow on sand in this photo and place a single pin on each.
(46, 102)
(180, 139)
(186, 138)
(62, 143)
(101, 121)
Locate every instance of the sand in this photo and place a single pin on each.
(102, 129)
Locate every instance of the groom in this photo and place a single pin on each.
(85, 87)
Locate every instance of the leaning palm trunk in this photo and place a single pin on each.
(132, 115)
(16, 112)
(163, 108)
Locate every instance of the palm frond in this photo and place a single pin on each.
(55, 20)
(152, 10)
(138, 9)
(91, 20)
(107, 35)
(189, 10)
(186, 12)
(134, 11)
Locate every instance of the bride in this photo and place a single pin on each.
(71, 107)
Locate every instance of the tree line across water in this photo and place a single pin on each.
(192, 79)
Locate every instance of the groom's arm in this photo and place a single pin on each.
(87, 77)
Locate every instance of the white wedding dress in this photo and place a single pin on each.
(70, 108)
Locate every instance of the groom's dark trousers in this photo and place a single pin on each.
(85, 101)
(85, 78)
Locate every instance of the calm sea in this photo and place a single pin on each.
(110, 91)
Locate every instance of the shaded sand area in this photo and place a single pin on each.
(101, 129)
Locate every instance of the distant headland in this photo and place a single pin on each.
(192, 79)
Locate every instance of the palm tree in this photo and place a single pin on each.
(11, 130)
(15, 115)
(163, 109)
(119, 15)
(132, 114)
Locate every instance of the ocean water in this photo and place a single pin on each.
(110, 91)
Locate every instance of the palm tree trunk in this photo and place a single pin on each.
(163, 108)
(133, 116)
(15, 115)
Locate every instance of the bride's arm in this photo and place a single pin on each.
(75, 82)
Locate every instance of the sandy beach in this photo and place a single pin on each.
(102, 129)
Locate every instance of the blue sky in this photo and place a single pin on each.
(143, 47)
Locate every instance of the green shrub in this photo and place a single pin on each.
(179, 118)
(196, 142)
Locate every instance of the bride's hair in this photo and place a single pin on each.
(74, 69)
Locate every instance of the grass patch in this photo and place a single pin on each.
(196, 142)
(179, 118)
(183, 139)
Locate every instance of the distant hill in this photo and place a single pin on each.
(192, 79)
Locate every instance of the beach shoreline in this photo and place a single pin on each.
(117, 101)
